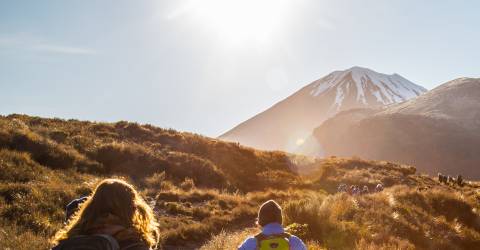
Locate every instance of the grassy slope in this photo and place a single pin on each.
(200, 186)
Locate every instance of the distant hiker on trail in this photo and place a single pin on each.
(73, 207)
(273, 236)
(342, 188)
(443, 179)
(379, 187)
(354, 190)
(365, 190)
(460, 180)
(114, 217)
(440, 177)
(357, 190)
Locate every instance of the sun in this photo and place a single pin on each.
(238, 21)
(300, 142)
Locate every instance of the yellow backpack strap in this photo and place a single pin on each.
(260, 237)
(284, 235)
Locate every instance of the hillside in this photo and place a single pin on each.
(288, 124)
(201, 187)
(436, 132)
(139, 151)
(45, 163)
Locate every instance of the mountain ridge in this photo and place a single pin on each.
(288, 124)
(437, 132)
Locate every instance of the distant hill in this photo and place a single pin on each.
(140, 151)
(437, 132)
(288, 124)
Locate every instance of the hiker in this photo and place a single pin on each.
(460, 180)
(72, 207)
(440, 177)
(365, 190)
(379, 187)
(114, 217)
(351, 189)
(443, 178)
(273, 236)
(356, 190)
(342, 188)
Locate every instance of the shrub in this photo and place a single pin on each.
(300, 230)
(225, 240)
(187, 184)
(18, 167)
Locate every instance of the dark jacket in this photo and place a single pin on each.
(127, 238)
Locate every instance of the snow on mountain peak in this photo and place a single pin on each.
(365, 83)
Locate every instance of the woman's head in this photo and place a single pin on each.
(120, 199)
(115, 197)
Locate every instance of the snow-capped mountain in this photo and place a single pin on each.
(288, 124)
(386, 89)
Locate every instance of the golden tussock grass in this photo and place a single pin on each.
(205, 192)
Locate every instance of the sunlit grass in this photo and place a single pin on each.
(206, 192)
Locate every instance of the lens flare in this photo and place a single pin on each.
(300, 142)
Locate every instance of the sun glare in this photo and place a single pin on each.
(300, 142)
(239, 21)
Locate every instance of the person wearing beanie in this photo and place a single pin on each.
(273, 235)
(73, 207)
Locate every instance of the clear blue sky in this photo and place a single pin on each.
(205, 66)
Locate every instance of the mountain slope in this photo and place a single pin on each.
(287, 124)
(193, 182)
(140, 151)
(438, 131)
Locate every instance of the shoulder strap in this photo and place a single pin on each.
(111, 239)
(259, 237)
(283, 235)
(135, 245)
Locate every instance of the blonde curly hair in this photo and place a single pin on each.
(118, 198)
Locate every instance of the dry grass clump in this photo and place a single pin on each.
(398, 218)
(15, 237)
(32, 200)
(225, 240)
(18, 167)
(16, 136)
